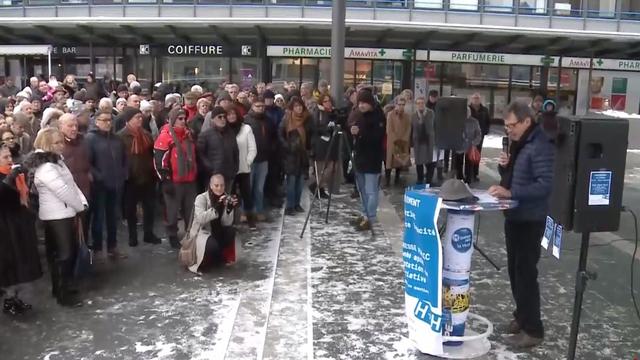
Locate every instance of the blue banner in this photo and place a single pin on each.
(422, 256)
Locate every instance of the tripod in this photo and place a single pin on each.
(340, 135)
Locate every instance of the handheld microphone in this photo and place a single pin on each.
(505, 144)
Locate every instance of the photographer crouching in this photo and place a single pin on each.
(212, 237)
(527, 174)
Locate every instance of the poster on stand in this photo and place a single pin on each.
(422, 256)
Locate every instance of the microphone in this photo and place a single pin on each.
(505, 144)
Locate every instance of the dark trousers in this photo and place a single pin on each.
(61, 246)
(430, 167)
(463, 168)
(103, 212)
(242, 187)
(179, 201)
(220, 248)
(523, 254)
(275, 178)
(447, 156)
(387, 175)
(134, 194)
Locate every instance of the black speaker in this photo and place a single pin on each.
(589, 168)
(451, 113)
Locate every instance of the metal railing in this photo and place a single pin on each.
(560, 8)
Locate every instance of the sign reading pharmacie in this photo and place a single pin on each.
(349, 53)
(487, 58)
(601, 64)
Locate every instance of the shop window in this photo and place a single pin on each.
(567, 7)
(468, 5)
(244, 72)
(630, 9)
(187, 71)
(285, 70)
(602, 8)
(427, 4)
(308, 71)
(363, 72)
(392, 3)
(490, 81)
(349, 72)
(427, 78)
(498, 5)
(533, 7)
(387, 79)
(324, 70)
(563, 87)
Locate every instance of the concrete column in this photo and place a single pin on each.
(339, 10)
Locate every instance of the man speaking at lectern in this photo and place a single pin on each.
(526, 170)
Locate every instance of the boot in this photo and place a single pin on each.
(174, 242)
(133, 238)
(53, 269)
(251, 221)
(65, 295)
(152, 239)
(323, 194)
(10, 307)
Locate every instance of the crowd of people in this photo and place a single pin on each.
(76, 159)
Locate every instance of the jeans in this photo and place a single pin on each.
(103, 207)
(294, 190)
(369, 186)
(523, 254)
(258, 177)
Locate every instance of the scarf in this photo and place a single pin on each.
(422, 126)
(140, 142)
(236, 126)
(514, 151)
(296, 122)
(21, 185)
(183, 148)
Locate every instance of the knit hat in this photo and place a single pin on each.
(60, 88)
(268, 94)
(129, 112)
(278, 96)
(174, 113)
(225, 96)
(366, 97)
(217, 111)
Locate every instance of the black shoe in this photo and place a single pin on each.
(10, 307)
(357, 221)
(323, 194)
(174, 242)
(21, 305)
(299, 209)
(152, 239)
(363, 226)
(251, 221)
(69, 300)
(290, 212)
(133, 240)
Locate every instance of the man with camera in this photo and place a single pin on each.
(526, 171)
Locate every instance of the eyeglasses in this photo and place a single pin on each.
(181, 118)
(511, 126)
(104, 120)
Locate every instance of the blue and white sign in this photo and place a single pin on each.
(548, 233)
(557, 242)
(422, 256)
(458, 240)
(600, 188)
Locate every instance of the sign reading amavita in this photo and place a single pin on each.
(325, 52)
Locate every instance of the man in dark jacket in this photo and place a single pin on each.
(273, 184)
(480, 113)
(141, 181)
(266, 142)
(368, 132)
(109, 169)
(218, 150)
(9, 88)
(527, 176)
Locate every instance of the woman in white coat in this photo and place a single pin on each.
(212, 227)
(59, 202)
(247, 151)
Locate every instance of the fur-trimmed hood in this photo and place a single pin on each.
(39, 157)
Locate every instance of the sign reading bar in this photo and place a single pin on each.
(325, 52)
(491, 58)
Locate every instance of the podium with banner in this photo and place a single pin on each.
(437, 274)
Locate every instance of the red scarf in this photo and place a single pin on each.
(141, 142)
(21, 185)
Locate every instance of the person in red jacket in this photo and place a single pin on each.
(190, 104)
(175, 162)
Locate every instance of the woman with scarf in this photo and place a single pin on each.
(19, 258)
(295, 136)
(196, 123)
(423, 136)
(212, 227)
(141, 183)
(247, 151)
(398, 146)
(175, 161)
(59, 203)
(8, 138)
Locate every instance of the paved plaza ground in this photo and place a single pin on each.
(332, 294)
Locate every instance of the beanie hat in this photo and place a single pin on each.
(174, 113)
(278, 96)
(225, 96)
(217, 111)
(366, 97)
(129, 112)
(268, 94)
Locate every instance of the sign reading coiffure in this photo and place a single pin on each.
(194, 50)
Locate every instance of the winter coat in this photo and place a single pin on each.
(296, 156)
(191, 111)
(322, 136)
(368, 148)
(246, 149)
(483, 117)
(398, 135)
(26, 144)
(76, 157)
(59, 196)
(218, 152)
(195, 125)
(19, 257)
(532, 178)
(8, 91)
(167, 156)
(275, 115)
(472, 135)
(94, 91)
(266, 139)
(423, 136)
(141, 170)
(108, 159)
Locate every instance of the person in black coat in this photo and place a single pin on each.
(480, 113)
(324, 121)
(19, 258)
(218, 149)
(368, 132)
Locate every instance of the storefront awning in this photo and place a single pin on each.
(25, 49)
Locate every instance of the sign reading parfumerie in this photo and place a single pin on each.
(422, 257)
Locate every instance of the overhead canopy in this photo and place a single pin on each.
(25, 49)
